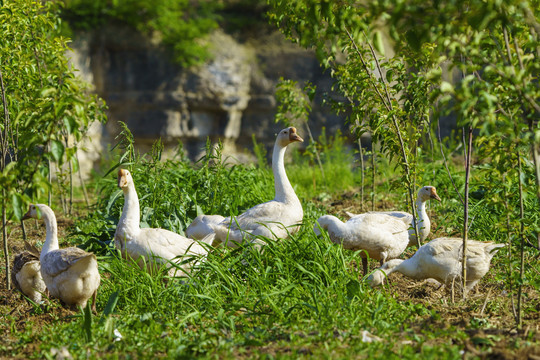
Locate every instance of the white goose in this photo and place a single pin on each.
(70, 274)
(441, 259)
(26, 273)
(151, 247)
(424, 224)
(274, 219)
(381, 236)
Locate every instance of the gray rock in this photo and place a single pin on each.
(229, 98)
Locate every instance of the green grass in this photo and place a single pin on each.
(299, 298)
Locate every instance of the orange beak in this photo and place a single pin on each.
(27, 215)
(122, 178)
(434, 194)
(293, 136)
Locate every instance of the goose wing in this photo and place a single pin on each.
(165, 244)
(378, 220)
(202, 226)
(58, 261)
(268, 212)
(402, 215)
(18, 263)
(21, 259)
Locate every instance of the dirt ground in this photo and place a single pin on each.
(486, 316)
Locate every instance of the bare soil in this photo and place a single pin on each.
(16, 313)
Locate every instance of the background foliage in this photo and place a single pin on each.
(46, 109)
(180, 25)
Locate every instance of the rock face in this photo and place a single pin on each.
(230, 98)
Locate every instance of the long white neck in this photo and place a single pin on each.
(424, 225)
(335, 227)
(131, 214)
(284, 190)
(51, 240)
(406, 267)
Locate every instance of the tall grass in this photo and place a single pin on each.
(300, 297)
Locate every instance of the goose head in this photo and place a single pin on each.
(323, 223)
(124, 179)
(317, 229)
(428, 192)
(288, 136)
(33, 212)
(376, 278)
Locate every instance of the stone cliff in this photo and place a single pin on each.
(229, 98)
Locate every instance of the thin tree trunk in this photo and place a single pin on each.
(535, 149)
(361, 154)
(23, 228)
(70, 169)
(445, 161)
(5, 240)
(362, 177)
(62, 197)
(70, 208)
(466, 210)
(316, 151)
(49, 178)
(522, 245)
(509, 239)
(4, 135)
(373, 172)
(81, 179)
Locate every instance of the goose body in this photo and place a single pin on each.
(441, 259)
(274, 219)
(202, 226)
(381, 236)
(70, 274)
(424, 224)
(147, 246)
(26, 275)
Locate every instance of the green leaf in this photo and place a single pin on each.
(87, 322)
(111, 303)
(446, 87)
(57, 150)
(48, 92)
(378, 42)
(17, 205)
(70, 124)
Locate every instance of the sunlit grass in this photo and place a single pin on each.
(300, 297)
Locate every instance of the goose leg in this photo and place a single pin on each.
(365, 265)
(94, 297)
(381, 264)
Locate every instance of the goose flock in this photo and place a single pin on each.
(71, 274)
